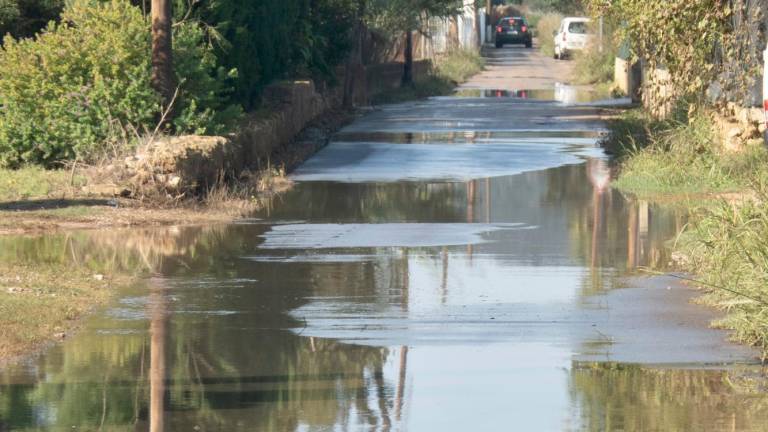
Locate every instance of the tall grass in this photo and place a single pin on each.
(455, 67)
(725, 243)
(727, 247)
(459, 65)
(547, 24)
(678, 157)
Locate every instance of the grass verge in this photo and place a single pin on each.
(679, 158)
(41, 304)
(725, 243)
(35, 182)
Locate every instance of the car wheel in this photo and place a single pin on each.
(499, 44)
(529, 44)
(557, 54)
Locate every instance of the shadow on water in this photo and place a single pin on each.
(210, 339)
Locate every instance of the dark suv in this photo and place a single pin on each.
(513, 30)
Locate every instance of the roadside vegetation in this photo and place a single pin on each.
(724, 244)
(454, 68)
(695, 145)
(652, 153)
(43, 303)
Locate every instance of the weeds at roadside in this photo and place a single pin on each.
(454, 68)
(544, 28)
(678, 157)
(725, 244)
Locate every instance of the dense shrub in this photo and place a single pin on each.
(23, 18)
(83, 85)
(267, 40)
(68, 90)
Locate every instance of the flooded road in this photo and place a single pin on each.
(451, 264)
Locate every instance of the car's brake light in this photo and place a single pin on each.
(525, 29)
(498, 29)
(765, 111)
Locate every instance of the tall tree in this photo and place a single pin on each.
(163, 79)
(409, 16)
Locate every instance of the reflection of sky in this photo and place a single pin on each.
(374, 162)
(487, 281)
(511, 387)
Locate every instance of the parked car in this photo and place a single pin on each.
(573, 35)
(513, 30)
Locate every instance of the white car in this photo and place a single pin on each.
(573, 35)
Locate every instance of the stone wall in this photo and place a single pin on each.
(739, 127)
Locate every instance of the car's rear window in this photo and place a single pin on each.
(578, 27)
(512, 23)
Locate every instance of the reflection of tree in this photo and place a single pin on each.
(267, 378)
(321, 201)
(631, 398)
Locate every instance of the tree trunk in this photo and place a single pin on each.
(163, 79)
(408, 63)
(354, 67)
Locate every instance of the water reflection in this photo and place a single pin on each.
(224, 333)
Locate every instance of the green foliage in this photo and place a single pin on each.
(679, 35)
(204, 106)
(592, 66)
(63, 97)
(569, 7)
(410, 15)
(655, 151)
(35, 182)
(23, 18)
(269, 40)
(726, 247)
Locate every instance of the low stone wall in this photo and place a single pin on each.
(739, 127)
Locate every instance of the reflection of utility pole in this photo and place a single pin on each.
(157, 356)
(406, 281)
(487, 200)
(401, 382)
(444, 284)
(632, 236)
(470, 210)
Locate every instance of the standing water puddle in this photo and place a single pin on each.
(437, 267)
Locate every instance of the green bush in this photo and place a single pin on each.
(268, 40)
(23, 18)
(204, 99)
(65, 92)
(82, 87)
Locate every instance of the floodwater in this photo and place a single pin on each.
(445, 265)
